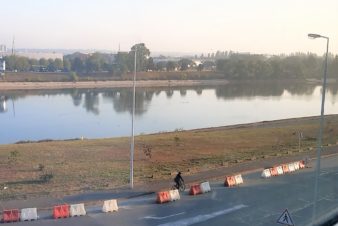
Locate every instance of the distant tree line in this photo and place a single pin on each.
(246, 66)
(20, 63)
(231, 65)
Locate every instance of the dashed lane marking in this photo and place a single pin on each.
(161, 218)
(204, 217)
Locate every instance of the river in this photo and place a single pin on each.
(100, 113)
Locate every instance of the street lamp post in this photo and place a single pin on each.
(132, 143)
(321, 127)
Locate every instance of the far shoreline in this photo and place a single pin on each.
(107, 84)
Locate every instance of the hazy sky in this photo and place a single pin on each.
(258, 26)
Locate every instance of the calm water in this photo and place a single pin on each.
(93, 113)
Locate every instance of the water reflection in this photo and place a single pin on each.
(3, 104)
(96, 113)
(245, 90)
(121, 98)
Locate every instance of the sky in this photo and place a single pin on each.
(192, 26)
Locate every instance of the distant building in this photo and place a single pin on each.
(39, 55)
(2, 65)
(3, 50)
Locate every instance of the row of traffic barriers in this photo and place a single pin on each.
(283, 169)
(231, 181)
(173, 195)
(59, 211)
(201, 188)
(167, 196)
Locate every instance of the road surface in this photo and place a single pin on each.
(257, 202)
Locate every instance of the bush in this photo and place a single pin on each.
(73, 76)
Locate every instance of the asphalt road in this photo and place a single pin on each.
(257, 202)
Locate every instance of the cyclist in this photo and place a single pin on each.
(178, 180)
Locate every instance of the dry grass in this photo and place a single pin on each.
(104, 163)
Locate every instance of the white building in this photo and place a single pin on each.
(3, 50)
(2, 65)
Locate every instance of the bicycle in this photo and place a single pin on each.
(181, 186)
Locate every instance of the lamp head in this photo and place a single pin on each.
(313, 36)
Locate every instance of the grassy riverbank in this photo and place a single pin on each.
(64, 167)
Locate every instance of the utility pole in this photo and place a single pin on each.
(132, 143)
(13, 46)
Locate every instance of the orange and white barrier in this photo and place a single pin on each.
(266, 173)
(231, 181)
(205, 187)
(280, 170)
(110, 206)
(239, 179)
(28, 214)
(273, 171)
(12, 215)
(77, 210)
(296, 164)
(163, 197)
(291, 167)
(174, 195)
(61, 211)
(195, 189)
(201, 188)
(285, 168)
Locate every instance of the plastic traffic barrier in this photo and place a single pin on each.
(174, 195)
(12, 215)
(110, 206)
(291, 167)
(296, 164)
(273, 171)
(285, 168)
(29, 214)
(266, 173)
(279, 170)
(301, 164)
(163, 197)
(229, 181)
(195, 189)
(205, 187)
(239, 179)
(61, 211)
(77, 210)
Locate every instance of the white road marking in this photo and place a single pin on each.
(125, 207)
(201, 218)
(160, 218)
(324, 173)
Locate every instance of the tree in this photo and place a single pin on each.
(22, 64)
(171, 65)
(142, 55)
(10, 62)
(66, 65)
(161, 66)
(43, 62)
(185, 64)
(200, 67)
(51, 65)
(150, 64)
(92, 64)
(58, 64)
(121, 63)
(77, 65)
